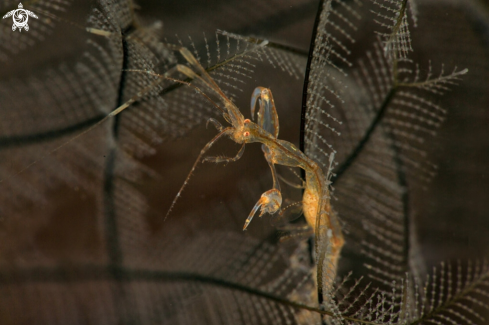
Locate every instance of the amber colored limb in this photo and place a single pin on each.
(290, 206)
(269, 158)
(226, 131)
(192, 75)
(286, 181)
(222, 159)
(232, 110)
(214, 122)
(276, 183)
(286, 214)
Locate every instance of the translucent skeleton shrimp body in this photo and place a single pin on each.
(316, 198)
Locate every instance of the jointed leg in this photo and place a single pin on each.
(216, 124)
(295, 232)
(295, 204)
(269, 159)
(287, 214)
(226, 131)
(192, 75)
(220, 159)
(298, 186)
(195, 64)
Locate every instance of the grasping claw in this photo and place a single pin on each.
(267, 114)
(270, 202)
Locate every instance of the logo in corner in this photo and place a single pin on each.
(20, 16)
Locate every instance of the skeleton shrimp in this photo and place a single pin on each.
(316, 198)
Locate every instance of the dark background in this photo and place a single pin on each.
(450, 213)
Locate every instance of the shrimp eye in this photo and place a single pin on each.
(246, 121)
(246, 134)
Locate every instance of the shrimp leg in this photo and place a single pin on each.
(291, 184)
(268, 157)
(226, 131)
(220, 159)
(216, 124)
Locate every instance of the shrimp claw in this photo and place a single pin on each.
(267, 114)
(269, 202)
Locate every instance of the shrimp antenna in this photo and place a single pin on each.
(202, 152)
(180, 82)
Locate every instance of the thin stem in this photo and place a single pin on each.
(366, 137)
(98, 273)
